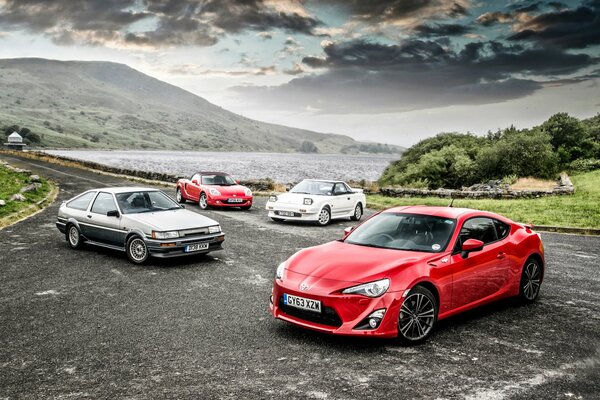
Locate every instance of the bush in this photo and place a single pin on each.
(308, 147)
(585, 165)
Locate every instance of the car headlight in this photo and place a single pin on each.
(214, 229)
(214, 192)
(165, 235)
(371, 289)
(273, 198)
(279, 272)
(308, 202)
(248, 192)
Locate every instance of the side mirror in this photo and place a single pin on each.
(238, 181)
(287, 189)
(195, 181)
(469, 246)
(348, 230)
(113, 213)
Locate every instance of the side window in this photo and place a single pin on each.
(103, 203)
(479, 228)
(81, 202)
(502, 229)
(339, 189)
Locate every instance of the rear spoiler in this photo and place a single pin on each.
(528, 227)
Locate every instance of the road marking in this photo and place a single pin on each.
(65, 173)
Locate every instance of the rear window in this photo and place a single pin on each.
(81, 202)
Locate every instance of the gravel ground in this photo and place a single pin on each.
(88, 324)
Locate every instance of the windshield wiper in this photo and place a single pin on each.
(370, 245)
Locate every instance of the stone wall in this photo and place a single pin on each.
(563, 187)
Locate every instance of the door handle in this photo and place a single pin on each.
(89, 216)
(348, 198)
(501, 256)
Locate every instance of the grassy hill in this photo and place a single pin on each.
(106, 105)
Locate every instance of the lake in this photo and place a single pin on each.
(281, 167)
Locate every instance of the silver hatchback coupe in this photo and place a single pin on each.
(142, 222)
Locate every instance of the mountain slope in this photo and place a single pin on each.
(109, 105)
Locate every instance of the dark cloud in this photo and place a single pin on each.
(389, 10)
(173, 22)
(366, 77)
(442, 30)
(566, 28)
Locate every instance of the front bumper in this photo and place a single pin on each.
(176, 248)
(227, 201)
(340, 314)
(298, 212)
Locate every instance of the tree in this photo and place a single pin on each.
(308, 147)
(567, 135)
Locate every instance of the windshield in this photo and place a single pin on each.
(220, 180)
(410, 232)
(313, 187)
(145, 201)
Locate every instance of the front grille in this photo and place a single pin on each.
(327, 316)
(193, 232)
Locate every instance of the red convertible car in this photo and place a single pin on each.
(402, 270)
(214, 189)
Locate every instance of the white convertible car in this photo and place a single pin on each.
(319, 201)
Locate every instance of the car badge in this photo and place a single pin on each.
(304, 286)
(234, 195)
(444, 260)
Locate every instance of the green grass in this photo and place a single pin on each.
(581, 210)
(10, 183)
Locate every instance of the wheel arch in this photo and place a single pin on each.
(72, 221)
(539, 259)
(432, 288)
(134, 232)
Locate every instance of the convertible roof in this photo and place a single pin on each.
(212, 173)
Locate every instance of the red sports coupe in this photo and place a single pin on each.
(403, 269)
(214, 189)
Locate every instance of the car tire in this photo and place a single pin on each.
(74, 237)
(137, 251)
(358, 212)
(277, 219)
(531, 281)
(179, 196)
(417, 316)
(324, 216)
(203, 201)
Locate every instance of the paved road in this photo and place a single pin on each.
(79, 324)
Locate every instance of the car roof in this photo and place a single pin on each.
(324, 180)
(444, 212)
(124, 189)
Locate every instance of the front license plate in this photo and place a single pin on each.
(286, 213)
(196, 247)
(236, 200)
(301, 302)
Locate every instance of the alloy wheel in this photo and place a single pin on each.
(357, 213)
(417, 317)
(531, 280)
(203, 202)
(74, 236)
(138, 250)
(324, 217)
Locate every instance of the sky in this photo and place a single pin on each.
(377, 70)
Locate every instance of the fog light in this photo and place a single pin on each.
(373, 323)
(168, 244)
(218, 201)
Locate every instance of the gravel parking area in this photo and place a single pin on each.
(89, 324)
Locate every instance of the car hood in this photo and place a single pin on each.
(235, 190)
(294, 198)
(346, 262)
(172, 220)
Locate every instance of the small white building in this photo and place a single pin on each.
(15, 142)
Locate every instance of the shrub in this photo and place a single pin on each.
(585, 165)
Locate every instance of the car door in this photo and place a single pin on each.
(342, 199)
(482, 273)
(104, 228)
(193, 188)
